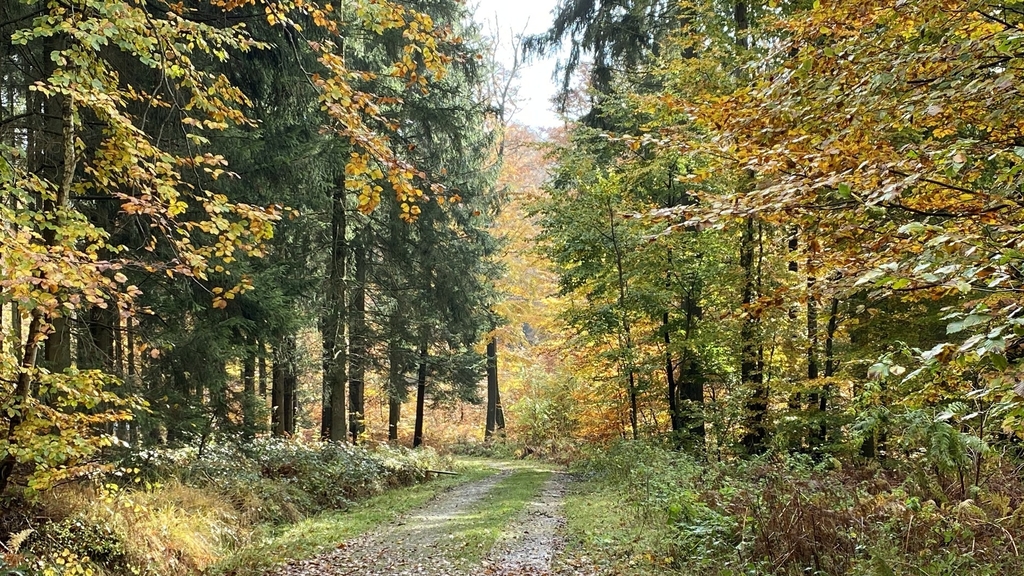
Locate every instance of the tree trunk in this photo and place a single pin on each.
(495, 415)
(626, 335)
(357, 348)
(751, 362)
(22, 390)
(249, 399)
(289, 388)
(395, 387)
(830, 363)
(333, 326)
(670, 379)
(58, 118)
(279, 375)
(692, 383)
(815, 397)
(421, 395)
(261, 368)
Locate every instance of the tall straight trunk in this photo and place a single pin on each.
(396, 388)
(249, 398)
(279, 375)
(626, 336)
(333, 326)
(21, 397)
(96, 345)
(670, 379)
(830, 363)
(357, 343)
(57, 161)
(752, 354)
(499, 408)
(815, 397)
(421, 396)
(692, 384)
(261, 368)
(16, 344)
(132, 370)
(495, 415)
(289, 390)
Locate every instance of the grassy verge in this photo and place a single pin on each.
(321, 533)
(602, 527)
(473, 534)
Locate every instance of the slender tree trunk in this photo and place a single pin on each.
(815, 396)
(21, 399)
(132, 370)
(396, 387)
(261, 368)
(249, 399)
(830, 363)
(333, 325)
(670, 379)
(58, 114)
(277, 414)
(421, 396)
(627, 337)
(751, 362)
(492, 388)
(357, 348)
(692, 385)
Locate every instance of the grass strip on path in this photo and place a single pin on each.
(473, 534)
(321, 533)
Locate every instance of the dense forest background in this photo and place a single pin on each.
(775, 247)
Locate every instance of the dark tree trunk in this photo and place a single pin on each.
(421, 396)
(249, 399)
(22, 390)
(815, 396)
(692, 383)
(395, 388)
(357, 347)
(830, 363)
(495, 414)
(670, 379)
(751, 362)
(283, 383)
(261, 368)
(333, 424)
(626, 335)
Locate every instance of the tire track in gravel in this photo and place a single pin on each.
(535, 537)
(410, 545)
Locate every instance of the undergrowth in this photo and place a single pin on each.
(641, 509)
(179, 513)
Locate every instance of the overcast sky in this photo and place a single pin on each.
(508, 18)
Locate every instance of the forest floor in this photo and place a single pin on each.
(509, 523)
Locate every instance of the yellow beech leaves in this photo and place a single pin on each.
(895, 130)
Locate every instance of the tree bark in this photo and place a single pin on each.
(751, 362)
(249, 399)
(421, 395)
(691, 386)
(357, 347)
(333, 326)
(495, 414)
(626, 335)
(22, 390)
(395, 387)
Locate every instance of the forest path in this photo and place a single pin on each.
(518, 510)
